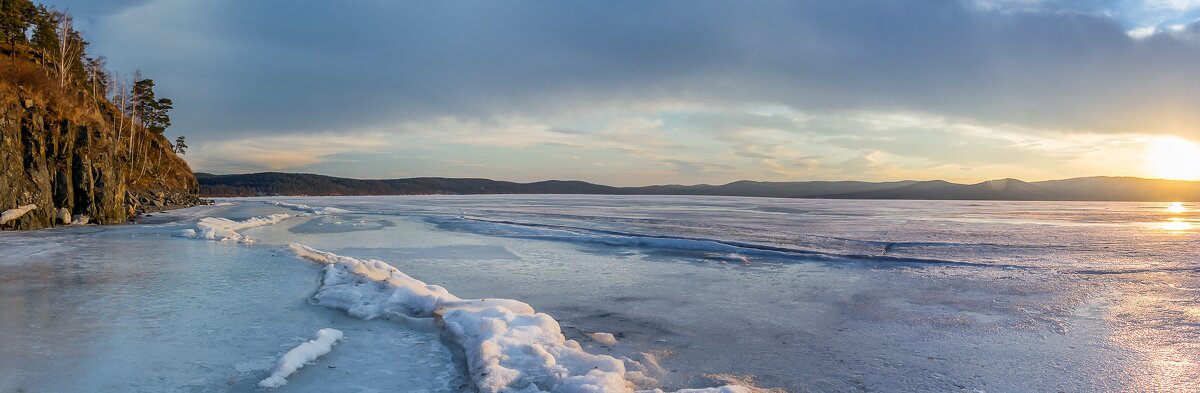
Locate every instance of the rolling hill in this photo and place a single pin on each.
(1077, 189)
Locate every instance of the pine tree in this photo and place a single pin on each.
(15, 16)
(162, 117)
(152, 111)
(45, 33)
(181, 145)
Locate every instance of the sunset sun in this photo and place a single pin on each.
(1173, 158)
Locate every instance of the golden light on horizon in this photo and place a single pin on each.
(1176, 207)
(1173, 158)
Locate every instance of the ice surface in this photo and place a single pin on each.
(344, 222)
(130, 308)
(301, 355)
(804, 295)
(13, 214)
(1000, 279)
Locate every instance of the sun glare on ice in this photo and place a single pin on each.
(1176, 224)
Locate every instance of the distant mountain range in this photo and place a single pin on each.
(1077, 189)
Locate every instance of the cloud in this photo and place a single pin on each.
(284, 67)
(695, 167)
(1174, 5)
(699, 87)
(273, 153)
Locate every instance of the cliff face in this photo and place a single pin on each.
(65, 156)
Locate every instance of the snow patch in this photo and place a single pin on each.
(13, 214)
(224, 229)
(320, 211)
(508, 346)
(723, 389)
(602, 338)
(301, 355)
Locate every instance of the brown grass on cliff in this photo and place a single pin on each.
(29, 80)
(148, 161)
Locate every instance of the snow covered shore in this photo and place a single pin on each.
(508, 346)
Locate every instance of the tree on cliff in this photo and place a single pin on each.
(15, 16)
(151, 111)
(97, 77)
(65, 51)
(180, 145)
(67, 58)
(45, 36)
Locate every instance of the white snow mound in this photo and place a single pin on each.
(224, 229)
(320, 211)
(13, 214)
(301, 355)
(602, 338)
(508, 346)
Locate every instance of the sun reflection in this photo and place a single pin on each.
(1176, 207)
(1177, 224)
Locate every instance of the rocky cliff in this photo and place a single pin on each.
(63, 152)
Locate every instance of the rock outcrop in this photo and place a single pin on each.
(64, 154)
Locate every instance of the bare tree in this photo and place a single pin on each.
(97, 77)
(70, 47)
(120, 98)
(131, 112)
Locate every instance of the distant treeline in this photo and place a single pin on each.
(274, 183)
(1077, 189)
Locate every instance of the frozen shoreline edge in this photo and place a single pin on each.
(508, 346)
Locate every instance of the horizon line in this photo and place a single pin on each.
(704, 184)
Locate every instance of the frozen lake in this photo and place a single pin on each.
(698, 292)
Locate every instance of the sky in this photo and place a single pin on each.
(670, 92)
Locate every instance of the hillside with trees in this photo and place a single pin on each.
(1078, 189)
(79, 143)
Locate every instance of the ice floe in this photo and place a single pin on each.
(301, 355)
(508, 346)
